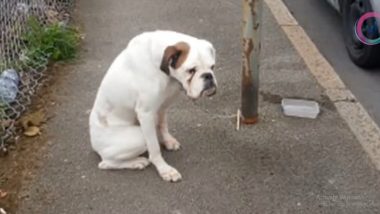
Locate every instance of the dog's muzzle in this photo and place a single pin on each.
(209, 85)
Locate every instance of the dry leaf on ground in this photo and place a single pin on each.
(30, 123)
(33, 119)
(3, 194)
(32, 131)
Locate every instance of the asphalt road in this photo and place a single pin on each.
(323, 25)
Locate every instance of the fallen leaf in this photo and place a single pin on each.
(32, 131)
(3, 194)
(33, 119)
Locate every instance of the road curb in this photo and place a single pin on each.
(361, 124)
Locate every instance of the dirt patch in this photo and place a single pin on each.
(19, 165)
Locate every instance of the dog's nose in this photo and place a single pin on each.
(207, 76)
(208, 80)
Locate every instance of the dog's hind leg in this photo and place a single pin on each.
(124, 149)
(137, 163)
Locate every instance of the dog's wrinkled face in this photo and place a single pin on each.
(192, 65)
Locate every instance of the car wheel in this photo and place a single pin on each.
(363, 55)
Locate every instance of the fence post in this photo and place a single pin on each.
(252, 13)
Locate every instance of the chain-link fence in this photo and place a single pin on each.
(21, 75)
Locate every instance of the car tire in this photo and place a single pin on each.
(363, 55)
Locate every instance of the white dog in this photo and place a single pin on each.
(128, 116)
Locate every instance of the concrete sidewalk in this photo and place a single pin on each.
(280, 165)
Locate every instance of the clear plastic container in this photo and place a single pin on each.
(300, 108)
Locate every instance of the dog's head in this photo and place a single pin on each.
(192, 64)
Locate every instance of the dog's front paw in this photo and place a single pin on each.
(170, 174)
(171, 144)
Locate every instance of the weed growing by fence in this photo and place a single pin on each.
(55, 42)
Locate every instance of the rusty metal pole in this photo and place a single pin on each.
(252, 13)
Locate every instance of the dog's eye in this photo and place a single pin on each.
(212, 67)
(192, 71)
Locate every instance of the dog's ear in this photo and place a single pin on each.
(174, 56)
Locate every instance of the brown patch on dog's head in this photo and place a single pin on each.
(174, 56)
